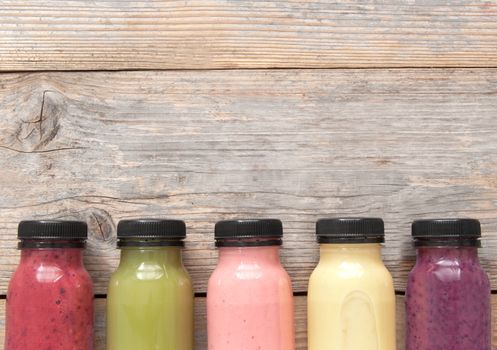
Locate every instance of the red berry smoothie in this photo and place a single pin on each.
(50, 301)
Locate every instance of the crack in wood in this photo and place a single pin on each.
(99, 226)
(40, 151)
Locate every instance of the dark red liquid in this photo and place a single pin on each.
(448, 301)
(50, 302)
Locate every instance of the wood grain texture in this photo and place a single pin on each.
(202, 34)
(201, 323)
(204, 146)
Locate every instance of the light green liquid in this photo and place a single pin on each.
(150, 301)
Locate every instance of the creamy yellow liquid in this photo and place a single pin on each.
(351, 300)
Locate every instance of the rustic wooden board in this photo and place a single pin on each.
(203, 146)
(201, 325)
(200, 34)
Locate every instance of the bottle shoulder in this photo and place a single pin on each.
(351, 275)
(48, 271)
(349, 268)
(266, 275)
(150, 272)
(449, 271)
(241, 268)
(28, 280)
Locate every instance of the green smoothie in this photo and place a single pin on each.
(150, 297)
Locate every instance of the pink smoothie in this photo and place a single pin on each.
(50, 302)
(249, 301)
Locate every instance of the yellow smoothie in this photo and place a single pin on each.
(351, 300)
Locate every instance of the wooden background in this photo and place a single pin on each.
(208, 110)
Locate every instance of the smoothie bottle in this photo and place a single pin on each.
(150, 297)
(351, 298)
(448, 293)
(249, 298)
(50, 296)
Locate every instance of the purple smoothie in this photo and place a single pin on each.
(448, 299)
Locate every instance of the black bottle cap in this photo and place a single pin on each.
(447, 232)
(350, 230)
(52, 234)
(248, 232)
(151, 232)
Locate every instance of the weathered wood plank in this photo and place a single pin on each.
(201, 34)
(201, 325)
(205, 146)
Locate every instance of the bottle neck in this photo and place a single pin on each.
(57, 256)
(447, 253)
(156, 255)
(359, 251)
(264, 254)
